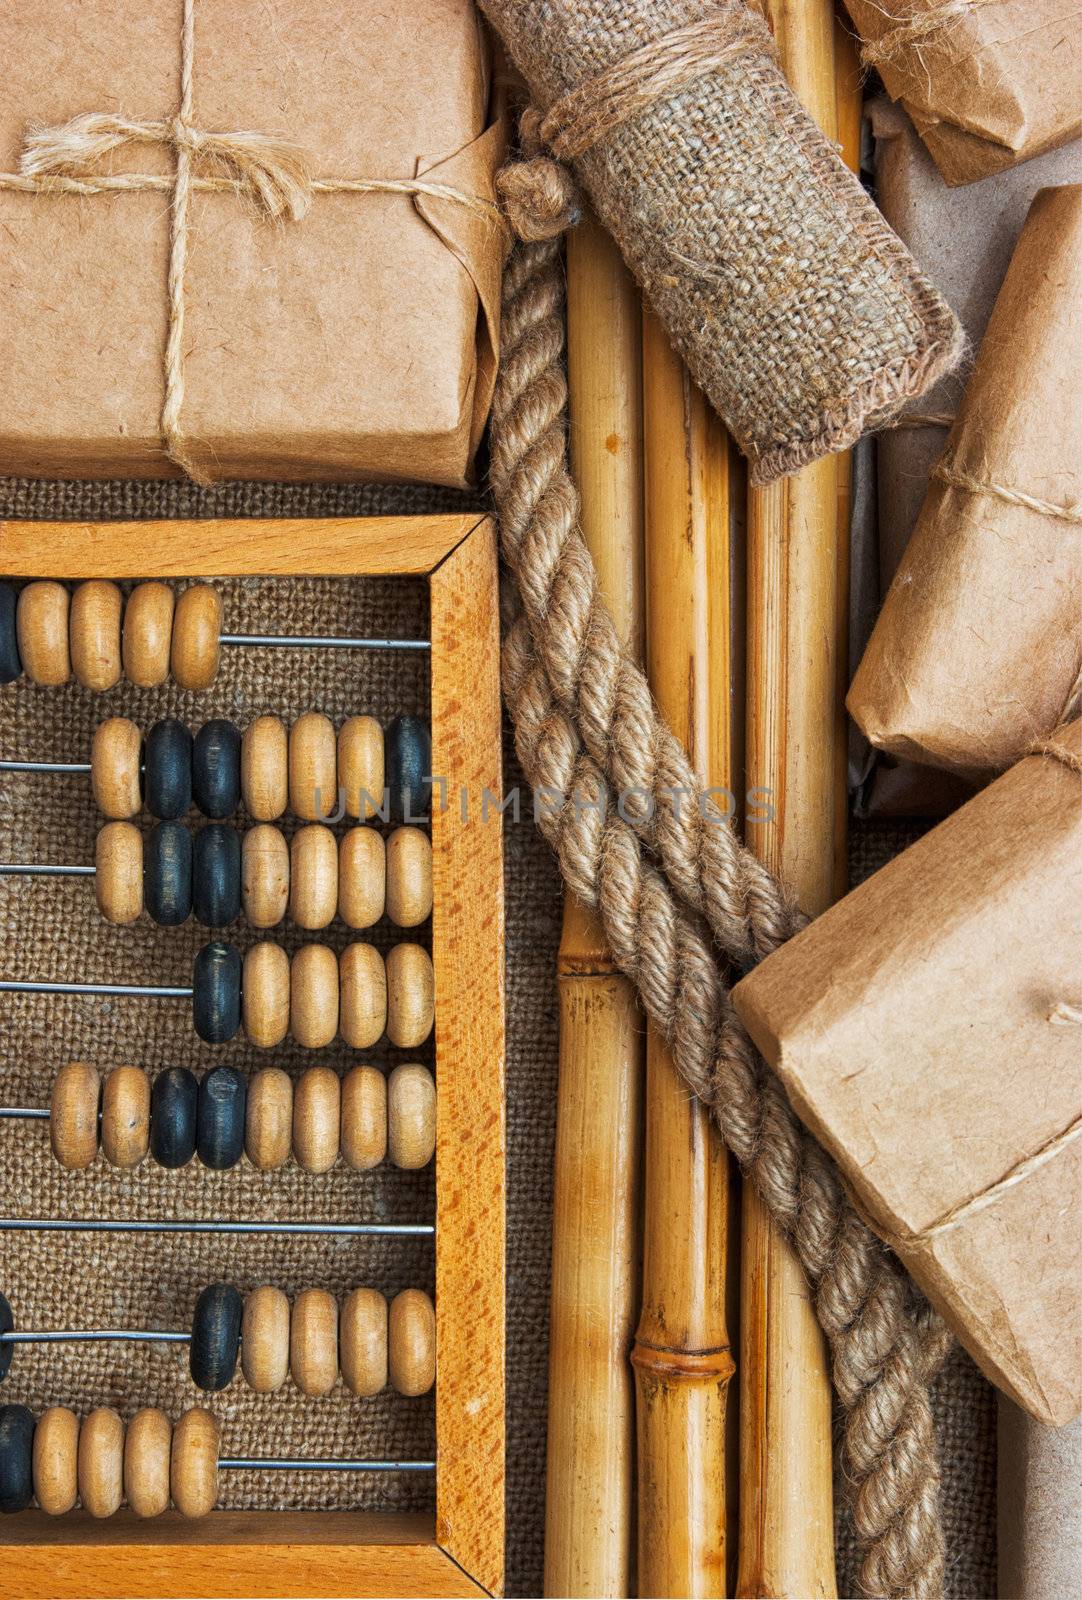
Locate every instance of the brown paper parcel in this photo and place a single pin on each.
(356, 342)
(927, 1033)
(978, 647)
(988, 83)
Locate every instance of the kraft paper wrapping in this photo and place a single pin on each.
(911, 1025)
(978, 646)
(988, 84)
(356, 343)
(1039, 1514)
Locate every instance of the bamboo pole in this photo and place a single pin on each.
(681, 1358)
(786, 1525)
(589, 1511)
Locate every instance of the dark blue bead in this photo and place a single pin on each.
(168, 770)
(216, 992)
(216, 768)
(223, 1095)
(11, 662)
(215, 1341)
(7, 1323)
(174, 1096)
(216, 875)
(408, 756)
(16, 1457)
(167, 874)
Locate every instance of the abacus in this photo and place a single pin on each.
(231, 821)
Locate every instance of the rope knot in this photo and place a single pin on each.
(540, 197)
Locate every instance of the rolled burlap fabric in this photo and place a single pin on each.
(799, 312)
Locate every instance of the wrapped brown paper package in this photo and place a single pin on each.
(1039, 1519)
(988, 84)
(978, 646)
(355, 343)
(911, 1025)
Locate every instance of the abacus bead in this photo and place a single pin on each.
(193, 1463)
(101, 1462)
(360, 766)
(11, 665)
(313, 1342)
(266, 994)
(168, 770)
(118, 872)
(41, 628)
(411, 1338)
(148, 634)
(362, 1342)
(362, 873)
(265, 875)
(409, 765)
(73, 1115)
(264, 768)
(363, 983)
(215, 1341)
(317, 1112)
(313, 767)
(264, 1339)
(216, 768)
(116, 768)
(411, 989)
(148, 1445)
(216, 998)
(268, 1137)
(7, 1324)
(411, 1115)
(56, 1460)
(313, 996)
(216, 894)
(16, 1457)
(167, 874)
(219, 1119)
(125, 1117)
(409, 877)
(364, 1118)
(174, 1100)
(197, 627)
(313, 876)
(94, 634)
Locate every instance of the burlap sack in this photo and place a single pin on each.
(798, 311)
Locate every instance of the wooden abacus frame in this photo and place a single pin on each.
(459, 1550)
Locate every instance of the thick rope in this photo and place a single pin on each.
(586, 727)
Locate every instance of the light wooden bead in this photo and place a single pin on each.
(148, 634)
(364, 995)
(362, 877)
(364, 1118)
(148, 1446)
(268, 1128)
(125, 1117)
(118, 872)
(411, 995)
(94, 634)
(73, 1115)
(362, 1342)
(409, 877)
(313, 876)
(264, 768)
(313, 996)
(411, 1340)
(264, 1339)
(411, 1115)
(101, 1462)
(197, 628)
(56, 1460)
(193, 1466)
(313, 768)
(265, 994)
(317, 1112)
(360, 766)
(313, 1342)
(265, 875)
(41, 625)
(116, 760)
